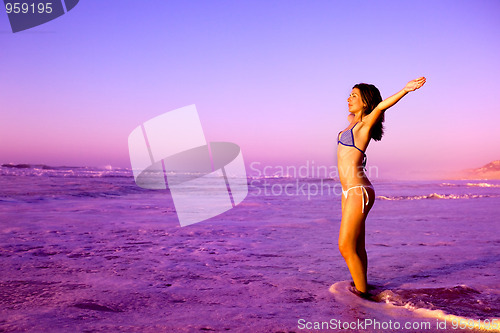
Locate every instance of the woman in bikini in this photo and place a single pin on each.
(366, 115)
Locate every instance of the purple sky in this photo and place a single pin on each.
(271, 76)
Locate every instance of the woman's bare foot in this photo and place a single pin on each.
(358, 293)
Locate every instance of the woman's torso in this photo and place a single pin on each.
(350, 158)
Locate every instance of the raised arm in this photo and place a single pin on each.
(413, 85)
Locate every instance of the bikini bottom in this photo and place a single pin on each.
(364, 192)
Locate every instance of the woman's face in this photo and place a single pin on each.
(355, 102)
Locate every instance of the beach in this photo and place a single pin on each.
(85, 249)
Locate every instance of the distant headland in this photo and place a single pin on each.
(488, 171)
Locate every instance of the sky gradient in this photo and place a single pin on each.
(271, 76)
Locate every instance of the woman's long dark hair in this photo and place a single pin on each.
(371, 97)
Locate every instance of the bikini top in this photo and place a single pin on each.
(347, 139)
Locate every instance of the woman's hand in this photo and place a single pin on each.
(414, 84)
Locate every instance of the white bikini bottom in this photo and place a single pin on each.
(364, 192)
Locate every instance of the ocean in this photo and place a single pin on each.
(85, 250)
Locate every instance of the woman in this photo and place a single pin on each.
(366, 117)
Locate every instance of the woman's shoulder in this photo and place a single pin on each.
(362, 129)
(363, 125)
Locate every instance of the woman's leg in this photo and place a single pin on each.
(360, 248)
(352, 235)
